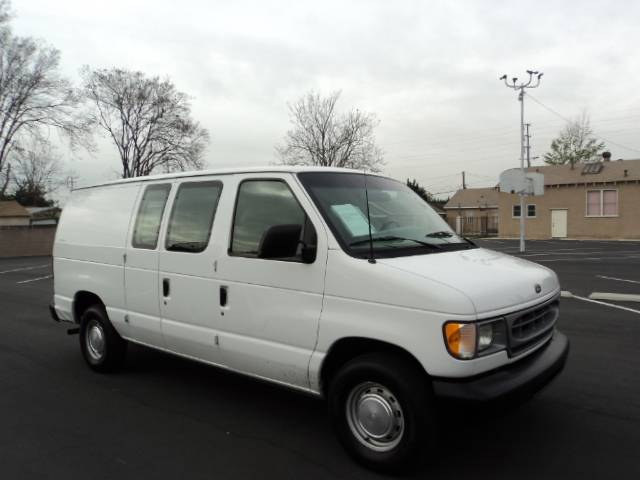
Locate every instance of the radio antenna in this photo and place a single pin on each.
(366, 196)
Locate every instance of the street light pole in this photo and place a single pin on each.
(530, 83)
(528, 145)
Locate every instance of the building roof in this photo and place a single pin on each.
(33, 210)
(612, 171)
(41, 213)
(231, 171)
(474, 198)
(11, 208)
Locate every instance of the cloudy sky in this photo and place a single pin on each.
(428, 69)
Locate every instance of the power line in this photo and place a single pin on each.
(505, 130)
(627, 123)
(483, 177)
(545, 132)
(569, 121)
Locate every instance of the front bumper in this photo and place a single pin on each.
(525, 376)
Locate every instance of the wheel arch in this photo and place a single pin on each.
(347, 348)
(82, 300)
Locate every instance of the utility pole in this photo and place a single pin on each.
(520, 87)
(464, 183)
(528, 146)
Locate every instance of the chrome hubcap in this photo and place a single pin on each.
(95, 340)
(375, 416)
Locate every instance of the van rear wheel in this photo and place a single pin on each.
(102, 347)
(382, 410)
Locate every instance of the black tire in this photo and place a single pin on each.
(371, 382)
(102, 347)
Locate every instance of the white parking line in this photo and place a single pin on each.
(620, 307)
(533, 251)
(617, 279)
(574, 259)
(24, 268)
(597, 252)
(34, 279)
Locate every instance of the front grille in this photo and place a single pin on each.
(530, 327)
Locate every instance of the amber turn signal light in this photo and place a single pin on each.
(461, 339)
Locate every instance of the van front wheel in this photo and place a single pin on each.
(381, 407)
(102, 347)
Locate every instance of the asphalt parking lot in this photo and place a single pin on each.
(165, 417)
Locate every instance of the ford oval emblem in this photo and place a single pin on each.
(538, 288)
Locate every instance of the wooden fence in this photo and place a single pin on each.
(27, 241)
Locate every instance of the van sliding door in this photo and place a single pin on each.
(141, 268)
(187, 281)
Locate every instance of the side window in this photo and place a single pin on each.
(147, 227)
(270, 223)
(516, 211)
(531, 211)
(192, 216)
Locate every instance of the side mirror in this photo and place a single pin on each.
(280, 241)
(309, 253)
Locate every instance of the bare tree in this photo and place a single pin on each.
(321, 136)
(34, 98)
(148, 120)
(5, 11)
(37, 172)
(574, 144)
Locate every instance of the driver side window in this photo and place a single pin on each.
(264, 208)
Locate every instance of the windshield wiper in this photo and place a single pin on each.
(440, 234)
(469, 241)
(390, 238)
(445, 234)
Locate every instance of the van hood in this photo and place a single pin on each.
(493, 281)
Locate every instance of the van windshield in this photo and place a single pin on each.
(402, 223)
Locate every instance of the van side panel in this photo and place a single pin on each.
(88, 254)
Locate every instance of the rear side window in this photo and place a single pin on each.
(192, 216)
(147, 227)
(262, 204)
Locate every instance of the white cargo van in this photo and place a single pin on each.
(343, 285)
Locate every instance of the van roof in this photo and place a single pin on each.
(227, 171)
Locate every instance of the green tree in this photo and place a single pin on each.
(575, 144)
(32, 196)
(420, 190)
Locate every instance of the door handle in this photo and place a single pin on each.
(224, 296)
(165, 287)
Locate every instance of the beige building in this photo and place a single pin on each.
(593, 200)
(474, 211)
(13, 214)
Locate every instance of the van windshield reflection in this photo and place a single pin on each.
(397, 221)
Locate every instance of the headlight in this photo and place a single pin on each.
(485, 336)
(473, 339)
